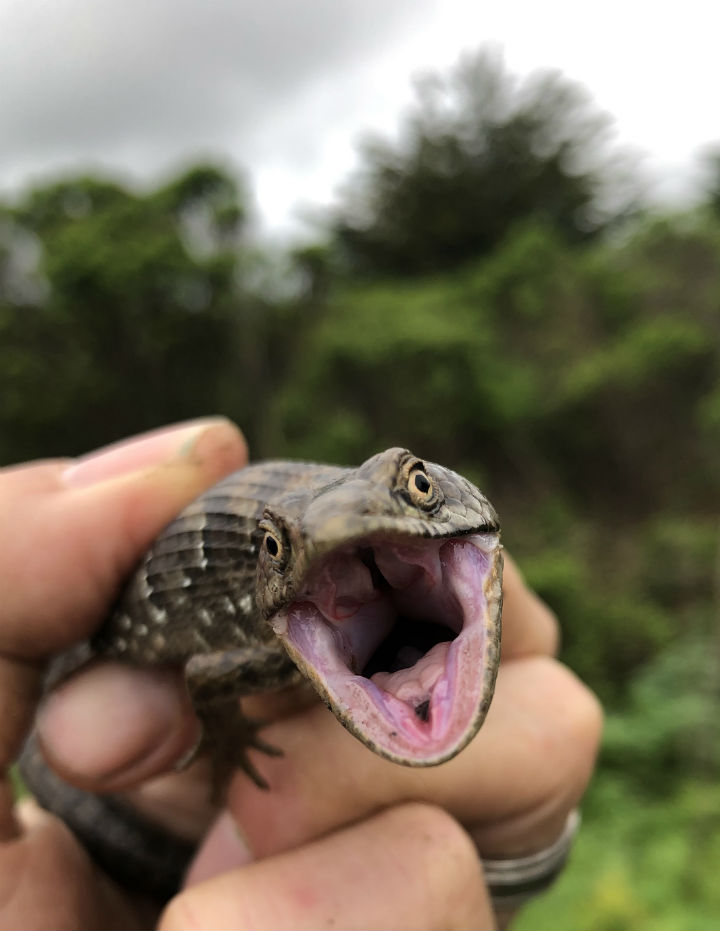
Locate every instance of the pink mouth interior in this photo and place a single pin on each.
(394, 634)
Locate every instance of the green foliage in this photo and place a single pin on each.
(479, 152)
(17, 784)
(638, 863)
(671, 723)
(648, 353)
(712, 168)
(376, 345)
(138, 315)
(609, 628)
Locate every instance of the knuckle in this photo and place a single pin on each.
(454, 894)
(179, 915)
(432, 832)
(583, 720)
(577, 724)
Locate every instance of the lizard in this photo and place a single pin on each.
(380, 585)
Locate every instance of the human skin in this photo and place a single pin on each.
(344, 838)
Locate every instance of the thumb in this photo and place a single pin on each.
(73, 530)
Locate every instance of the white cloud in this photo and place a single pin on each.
(135, 83)
(285, 87)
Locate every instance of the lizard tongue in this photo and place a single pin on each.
(398, 638)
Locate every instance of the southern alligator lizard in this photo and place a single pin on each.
(379, 584)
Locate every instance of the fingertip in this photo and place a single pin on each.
(580, 721)
(211, 442)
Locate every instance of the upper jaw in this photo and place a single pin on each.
(363, 508)
(440, 595)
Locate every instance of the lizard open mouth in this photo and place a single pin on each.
(400, 638)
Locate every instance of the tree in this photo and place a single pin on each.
(479, 152)
(134, 314)
(711, 165)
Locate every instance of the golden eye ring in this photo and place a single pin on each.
(273, 545)
(420, 487)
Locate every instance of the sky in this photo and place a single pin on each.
(285, 89)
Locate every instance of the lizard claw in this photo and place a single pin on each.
(245, 736)
(256, 742)
(228, 750)
(190, 755)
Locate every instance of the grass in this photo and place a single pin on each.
(638, 863)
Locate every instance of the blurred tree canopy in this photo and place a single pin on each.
(120, 310)
(480, 151)
(712, 171)
(472, 303)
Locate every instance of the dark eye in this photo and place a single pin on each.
(422, 483)
(420, 486)
(272, 544)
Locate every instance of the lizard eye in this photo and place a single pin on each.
(420, 487)
(273, 545)
(274, 542)
(422, 483)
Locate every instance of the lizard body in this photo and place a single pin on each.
(381, 585)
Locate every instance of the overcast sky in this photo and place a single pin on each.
(285, 88)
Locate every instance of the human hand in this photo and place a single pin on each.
(342, 813)
(72, 530)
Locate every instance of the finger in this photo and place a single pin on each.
(421, 867)
(67, 545)
(222, 849)
(113, 725)
(48, 881)
(529, 627)
(515, 783)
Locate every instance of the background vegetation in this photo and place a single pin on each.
(491, 293)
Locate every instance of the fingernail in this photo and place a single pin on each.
(159, 446)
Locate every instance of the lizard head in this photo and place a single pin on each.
(384, 586)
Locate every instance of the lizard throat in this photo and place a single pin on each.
(400, 638)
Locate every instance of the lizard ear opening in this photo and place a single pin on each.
(274, 543)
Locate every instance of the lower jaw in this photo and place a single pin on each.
(390, 725)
